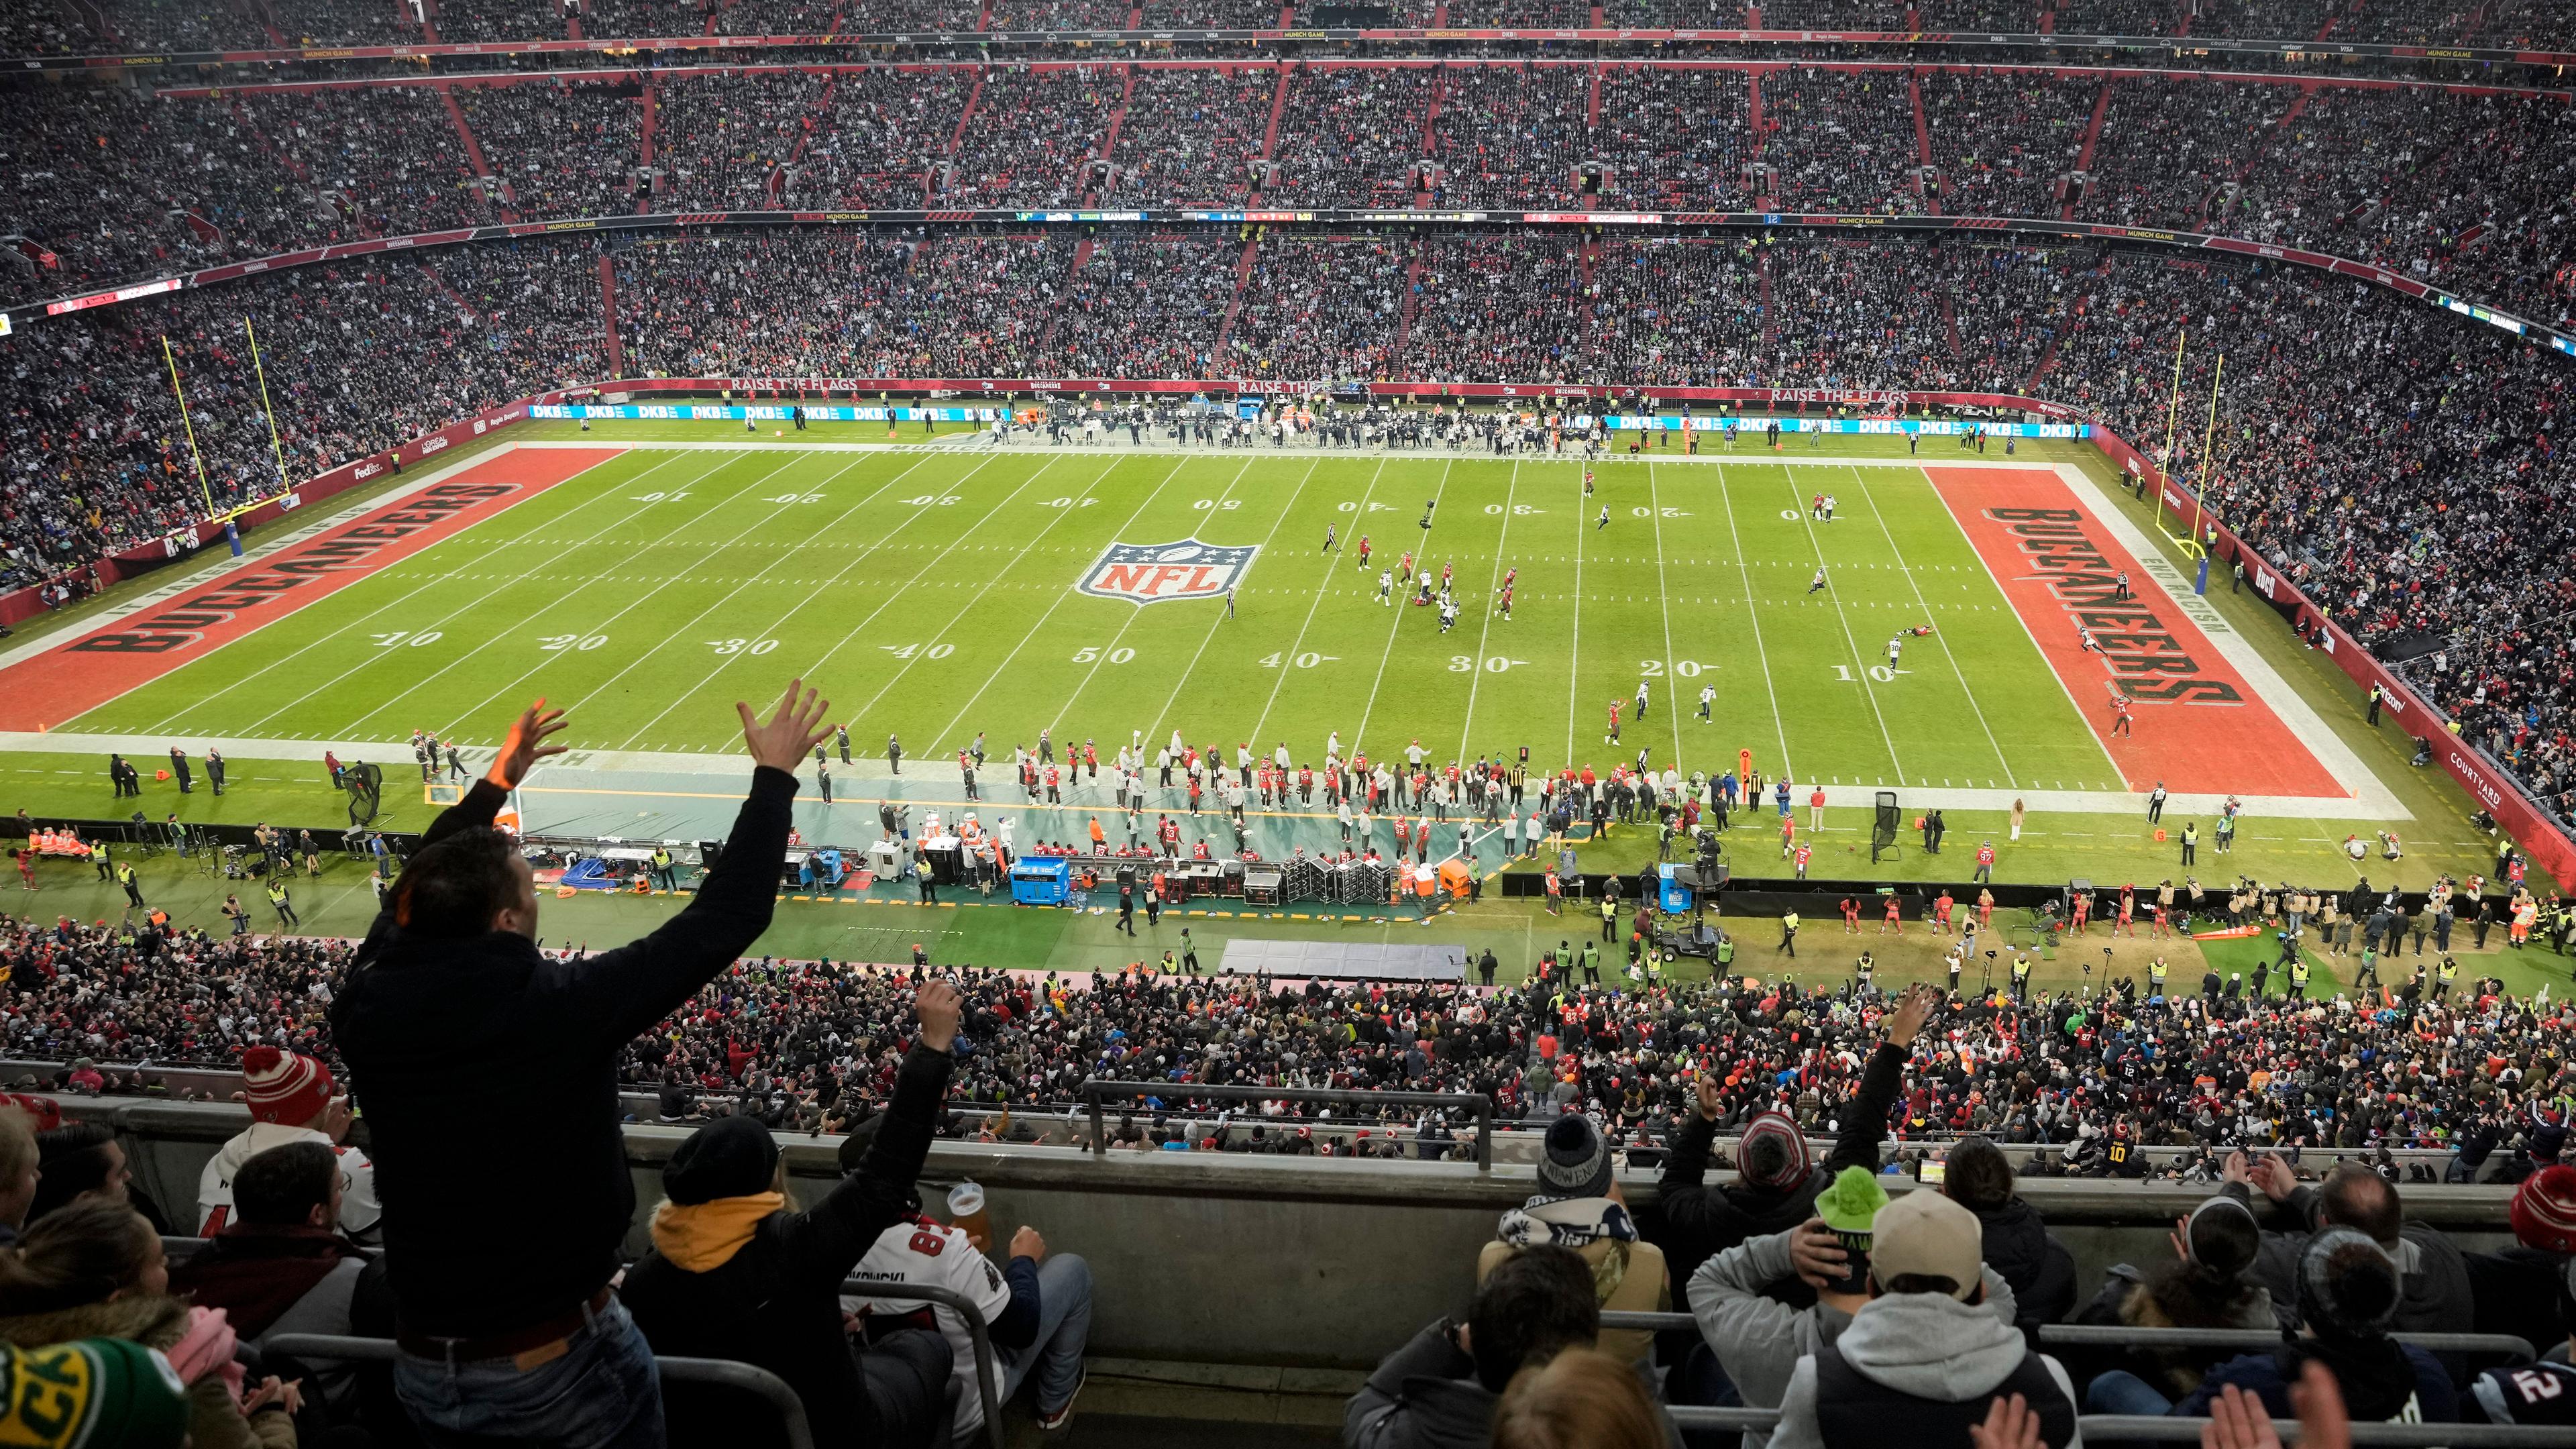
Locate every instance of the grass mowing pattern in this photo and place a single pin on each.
(932, 595)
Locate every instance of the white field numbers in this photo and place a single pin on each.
(1204, 504)
(658, 496)
(407, 639)
(1493, 664)
(907, 651)
(1091, 653)
(794, 498)
(1518, 510)
(557, 643)
(1068, 502)
(1681, 668)
(742, 646)
(1307, 660)
(925, 500)
(1880, 672)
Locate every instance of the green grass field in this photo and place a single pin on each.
(932, 593)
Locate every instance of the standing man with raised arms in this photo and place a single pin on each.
(488, 1075)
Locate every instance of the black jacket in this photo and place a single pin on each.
(488, 1076)
(777, 1301)
(2434, 1292)
(1701, 1222)
(2022, 1251)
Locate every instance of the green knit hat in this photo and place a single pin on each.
(96, 1393)
(1851, 1202)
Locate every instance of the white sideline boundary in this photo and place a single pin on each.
(2369, 799)
(2166, 577)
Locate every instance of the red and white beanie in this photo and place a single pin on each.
(2544, 1210)
(285, 1087)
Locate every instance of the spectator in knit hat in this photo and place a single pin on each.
(1579, 1206)
(1758, 1340)
(2349, 1294)
(735, 1273)
(292, 1099)
(1928, 1353)
(2517, 1289)
(2434, 1280)
(1777, 1179)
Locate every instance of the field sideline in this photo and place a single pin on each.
(917, 583)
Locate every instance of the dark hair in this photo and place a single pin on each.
(2360, 1199)
(1536, 1301)
(77, 1256)
(1978, 1178)
(1766, 1156)
(281, 1187)
(452, 890)
(73, 1159)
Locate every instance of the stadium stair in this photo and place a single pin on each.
(474, 150)
(2092, 138)
(648, 127)
(1922, 142)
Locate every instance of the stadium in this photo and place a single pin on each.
(1834, 721)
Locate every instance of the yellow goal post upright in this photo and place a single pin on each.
(2186, 524)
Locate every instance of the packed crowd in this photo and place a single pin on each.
(2469, 191)
(1816, 1291)
(191, 25)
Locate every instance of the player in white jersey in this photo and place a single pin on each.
(1895, 646)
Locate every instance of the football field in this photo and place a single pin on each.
(941, 593)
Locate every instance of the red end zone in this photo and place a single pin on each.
(2199, 727)
(75, 678)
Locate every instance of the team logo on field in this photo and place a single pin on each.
(1163, 573)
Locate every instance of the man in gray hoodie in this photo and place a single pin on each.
(1931, 1349)
(1760, 1341)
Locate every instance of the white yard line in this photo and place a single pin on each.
(1286, 661)
(480, 598)
(1833, 591)
(2268, 685)
(978, 596)
(1493, 581)
(1298, 643)
(2110, 764)
(1136, 611)
(441, 578)
(1753, 612)
(1939, 639)
(948, 731)
(1664, 598)
(1421, 561)
(783, 557)
(1574, 651)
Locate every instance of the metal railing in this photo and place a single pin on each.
(988, 1387)
(2107, 1428)
(719, 1372)
(2112, 1335)
(1099, 1089)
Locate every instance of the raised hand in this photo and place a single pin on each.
(939, 1008)
(790, 732)
(526, 744)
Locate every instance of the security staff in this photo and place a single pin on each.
(2448, 972)
(662, 868)
(2021, 978)
(2299, 978)
(285, 908)
(2156, 977)
(2190, 842)
(125, 878)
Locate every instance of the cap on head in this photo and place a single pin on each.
(1925, 1235)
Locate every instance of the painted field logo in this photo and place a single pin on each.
(1162, 573)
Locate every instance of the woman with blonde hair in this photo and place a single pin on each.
(1580, 1399)
(95, 1270)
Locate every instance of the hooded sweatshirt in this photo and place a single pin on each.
(1928, 1345)
(1758, 1341)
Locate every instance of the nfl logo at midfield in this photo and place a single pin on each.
(1163, 573)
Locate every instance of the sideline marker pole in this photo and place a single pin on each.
(283, 486)
(188, 424)
(2209, 440)
(2173, 404)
